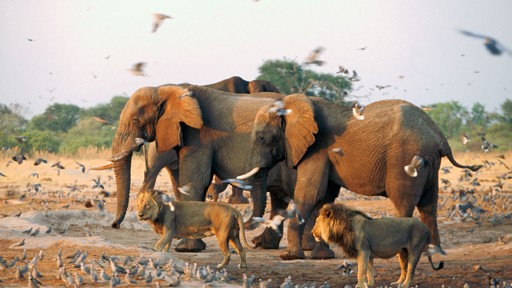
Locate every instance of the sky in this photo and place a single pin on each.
(80, 52)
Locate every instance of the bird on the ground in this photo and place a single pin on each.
(21, 243)
(412, 169)
(35, 232)
(34, 174)
(28, 231)
(39, 161)
(247, 281)
(446, 169)
(312, 58)
(491, 44)
(128, 279)
(138, 69)
(346, 267)
(158, 19)
(357, 111)
(116, 268)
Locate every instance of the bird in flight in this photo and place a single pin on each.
(313, 57)
(491, 44)
(138, 69)
(158, 19)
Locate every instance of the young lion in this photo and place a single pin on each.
(365, 238)
(193, 219)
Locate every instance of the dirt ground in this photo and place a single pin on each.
(479, 251)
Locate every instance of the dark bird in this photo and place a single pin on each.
(58, 165)
(238, 183)
(20, 139)
(39, 161)
(313, 57)
(19, 158)
(486, 145)
(34, 174)
(446, 170)
(342, 69)
(82, 166)
(158, 19)
(411, 169)
(97, 183)
(357, 111)
(2, 174)
(138, 69)
(380, 87)
(354, 77)
(493, 46)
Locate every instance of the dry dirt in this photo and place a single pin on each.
(477, 250)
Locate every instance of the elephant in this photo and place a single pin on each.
(338, 150)
(168, 160)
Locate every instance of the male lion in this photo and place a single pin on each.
(365, 238)
(193, 219)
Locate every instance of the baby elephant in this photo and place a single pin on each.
(193, 219)
(365, 238)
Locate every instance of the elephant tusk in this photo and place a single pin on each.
(248, 174)
(120, 155)
(106, 166)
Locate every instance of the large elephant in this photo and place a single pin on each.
(169, 160)
(209, 129)
(365, 156)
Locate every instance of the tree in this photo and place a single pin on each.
(449, 116)
(290, 77)
(57, 118)
(11, 124)
(109, 111)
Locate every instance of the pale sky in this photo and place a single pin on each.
(210, 40)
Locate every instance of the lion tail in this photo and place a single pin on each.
(439, 267)
(240, 220)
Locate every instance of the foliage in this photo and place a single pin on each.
(11, 124)
(109, 111)
(42, 140)
(57, 118)
(290, 77)
(88, 133)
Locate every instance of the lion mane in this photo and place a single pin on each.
(337, 221)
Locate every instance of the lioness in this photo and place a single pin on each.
(365, 238)
(193, 219)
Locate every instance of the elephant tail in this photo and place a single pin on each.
(448, 153)
(240, 220)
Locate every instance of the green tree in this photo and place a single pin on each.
(57, 118)
(11, 124)
(109, 111)
(88, 133)
(43, 140)
(290, 77)
(450, 117)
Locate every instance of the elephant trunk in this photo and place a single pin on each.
(123, 179)
(259, 197)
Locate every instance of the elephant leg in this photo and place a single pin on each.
(310, 188)
(196, 175)
(270, 239)
(427, 207)
(237, 196)
(320, 249)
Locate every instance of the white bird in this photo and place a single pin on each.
(313, 57)
(138, 69)
(272, 223)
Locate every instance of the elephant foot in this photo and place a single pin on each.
(308, 243)
(289, 255)
(269, 239)
(322, 251)
(238, 199)
(190, 245)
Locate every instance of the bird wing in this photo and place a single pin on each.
(471, 34)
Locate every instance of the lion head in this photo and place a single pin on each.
(334, 225)
(149, 205)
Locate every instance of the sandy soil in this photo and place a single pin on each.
(478, 251)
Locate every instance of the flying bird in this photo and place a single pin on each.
(39, 161)
(158, 19)
(237, 183)
(411, 169)
(342, 69)
(19, 158)
(313, 57)
(465, 139)
(58, 165)
(354, 77)
(138, 69)
(486, 145)
(278, 108)
(357, 111)
(20, 139)
(82, 166)
(272, 223)
(492, 45)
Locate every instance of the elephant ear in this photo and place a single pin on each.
(300, 127)
(176, 106)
